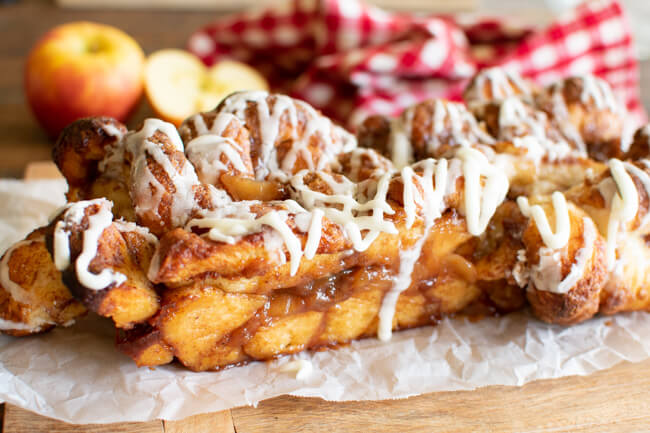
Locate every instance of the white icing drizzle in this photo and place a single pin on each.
(624, 206)
(481, 202)
(112, 130)
(229, 229)
(200, 126)
(552, 240)
(356, 162)
(537, 149)
(455, 116)
(547, 274)
(314, 234)
(401, 282)
(503, 84)
(432, 202)
(72, 215)
(480, 205)
(594, 90)
(96, 224)
(139, 145)
(409, 200)
(528, 130)
(582, 257)
(113, 161)
(561, 114)
(513, 113)
(269, 117)
(343, 207)
(448, 116)
(360, 218)
(434, 184)
(128, 226)
(269, 123)
(627, 133)
(219, 124)
(135, 139)
(597, 90)
(643, 176)
(359, 209)
(520, 272)
(399, 139)
(207, 152)
(17, 292)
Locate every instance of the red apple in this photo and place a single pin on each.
(83, 69)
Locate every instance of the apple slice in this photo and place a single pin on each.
(177, 84)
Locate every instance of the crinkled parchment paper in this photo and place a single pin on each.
(77, 375)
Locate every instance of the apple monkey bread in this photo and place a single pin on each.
(261, 228)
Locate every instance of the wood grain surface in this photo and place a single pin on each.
(23, 22)
(21, 421)
(614, 400)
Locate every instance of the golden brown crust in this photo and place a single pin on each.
(183, 255)
(582, 299)
(80, 148)
(362, 164)
(591, 197)
(114, 190)
(373, 134)
(640, 147)
(424, 130)
(528, 123)
(158, 218)
(227, 127)
(494, 84)
(322, 312)
(144, 345)
(627, 288)
(127, 303)
(43, 300)
(293, 126)
(580, 105)
(223, 298)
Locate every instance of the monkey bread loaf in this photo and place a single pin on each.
(261, 228)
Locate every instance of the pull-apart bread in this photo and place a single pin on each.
(261, 228)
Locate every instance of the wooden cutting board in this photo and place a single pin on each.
(614, 400)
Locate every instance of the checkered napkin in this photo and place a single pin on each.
(351, 60)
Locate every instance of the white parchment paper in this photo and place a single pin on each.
(77, 375)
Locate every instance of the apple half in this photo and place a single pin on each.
(178, 84)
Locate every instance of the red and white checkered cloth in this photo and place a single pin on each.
(351, 60)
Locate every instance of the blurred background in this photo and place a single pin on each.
(164, 24)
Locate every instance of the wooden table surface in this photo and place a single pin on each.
(21, 25)
(604, 401)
